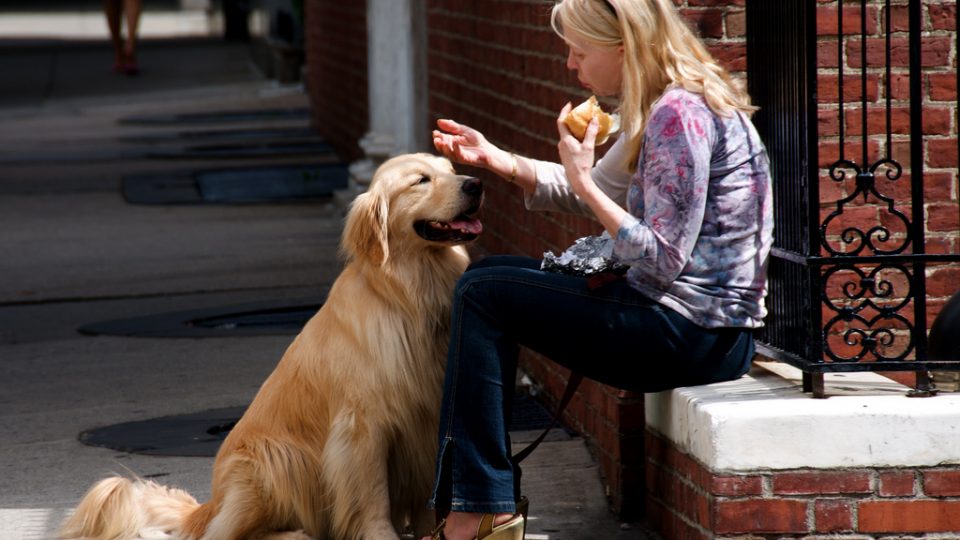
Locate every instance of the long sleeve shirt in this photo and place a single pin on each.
(701, 216)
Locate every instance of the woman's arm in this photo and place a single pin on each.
(674, 179)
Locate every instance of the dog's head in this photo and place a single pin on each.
(415, 201)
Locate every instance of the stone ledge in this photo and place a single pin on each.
(764, 421)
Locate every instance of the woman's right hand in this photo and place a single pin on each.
(463, 144)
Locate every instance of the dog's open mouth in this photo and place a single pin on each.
(462, 228)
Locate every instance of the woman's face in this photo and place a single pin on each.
(598, 67)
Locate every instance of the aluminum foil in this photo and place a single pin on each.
(587, 256)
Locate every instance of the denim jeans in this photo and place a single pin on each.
(611, 334)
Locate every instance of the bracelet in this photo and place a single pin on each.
(513, 174)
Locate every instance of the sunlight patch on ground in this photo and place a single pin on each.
(30, 523)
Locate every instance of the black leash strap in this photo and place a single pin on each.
(572, 383)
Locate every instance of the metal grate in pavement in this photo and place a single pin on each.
(236, 185)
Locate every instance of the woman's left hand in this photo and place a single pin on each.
(577, 157)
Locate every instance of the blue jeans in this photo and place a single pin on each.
(611, 334)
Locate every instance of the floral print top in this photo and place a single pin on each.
(701, 211)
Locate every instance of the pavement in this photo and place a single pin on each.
(74, 252)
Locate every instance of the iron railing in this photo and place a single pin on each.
(845, 296)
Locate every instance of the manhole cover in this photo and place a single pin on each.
(200, 434)
(243, 150)
(237, 185)
(214, 117)
(222, 135)
(255, 319)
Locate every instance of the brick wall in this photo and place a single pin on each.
(689, 501)
(336, 77)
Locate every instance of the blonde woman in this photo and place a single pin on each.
(685, 194)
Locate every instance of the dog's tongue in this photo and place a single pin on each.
(469, 226)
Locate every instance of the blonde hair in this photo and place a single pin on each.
(659, 50)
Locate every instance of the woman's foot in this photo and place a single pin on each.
(130, 66)
(464, 525)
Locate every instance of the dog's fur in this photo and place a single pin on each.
(341, 439)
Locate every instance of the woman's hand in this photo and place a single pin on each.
(465, 145)
(577, 157)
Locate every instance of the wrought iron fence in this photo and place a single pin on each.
(847, 293)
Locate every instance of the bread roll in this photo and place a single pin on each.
(579, 118)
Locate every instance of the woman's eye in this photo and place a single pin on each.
(424, 180)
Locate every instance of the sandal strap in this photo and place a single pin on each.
(485, 528)
(437, 532)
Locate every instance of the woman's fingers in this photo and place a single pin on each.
(449, 125)
(561, 125)
(590, 137)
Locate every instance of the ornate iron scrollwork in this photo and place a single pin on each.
(856, 304)
(875, 237)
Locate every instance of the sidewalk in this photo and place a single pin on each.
(73, 252)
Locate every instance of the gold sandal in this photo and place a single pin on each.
(514, 529)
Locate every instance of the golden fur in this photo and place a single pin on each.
(341, 439)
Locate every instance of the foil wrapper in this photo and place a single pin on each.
(587, 256)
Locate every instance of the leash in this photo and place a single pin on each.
(572, 383)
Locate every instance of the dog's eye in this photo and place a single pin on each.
(424, 180)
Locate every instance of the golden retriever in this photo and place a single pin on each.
(341, 439)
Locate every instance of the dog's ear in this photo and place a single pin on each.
(365, 232)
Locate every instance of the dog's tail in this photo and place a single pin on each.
(119, 509)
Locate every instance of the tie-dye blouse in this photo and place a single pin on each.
(701, 216)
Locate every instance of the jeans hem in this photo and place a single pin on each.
(484, 507)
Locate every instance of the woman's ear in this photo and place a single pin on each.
(365, 232)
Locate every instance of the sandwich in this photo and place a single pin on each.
(579, 118)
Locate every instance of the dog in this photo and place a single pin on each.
(341, 439)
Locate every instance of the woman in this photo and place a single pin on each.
(685, 194)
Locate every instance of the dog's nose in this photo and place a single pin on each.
(472, 186)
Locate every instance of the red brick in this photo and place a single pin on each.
(897, 484)
(942, 282)
(944, 482)
(908, 516)
(707, 23)
(943, 217)
(833, 515)
(943, 17)
(736, 24)
(812, 483)
(761, 516)
(943, 86)
(735, 486)
(942, 153)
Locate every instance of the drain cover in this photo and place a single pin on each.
(236, 185)
(218, 117)
(200, 434)
(255, 319)
(243, 150)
